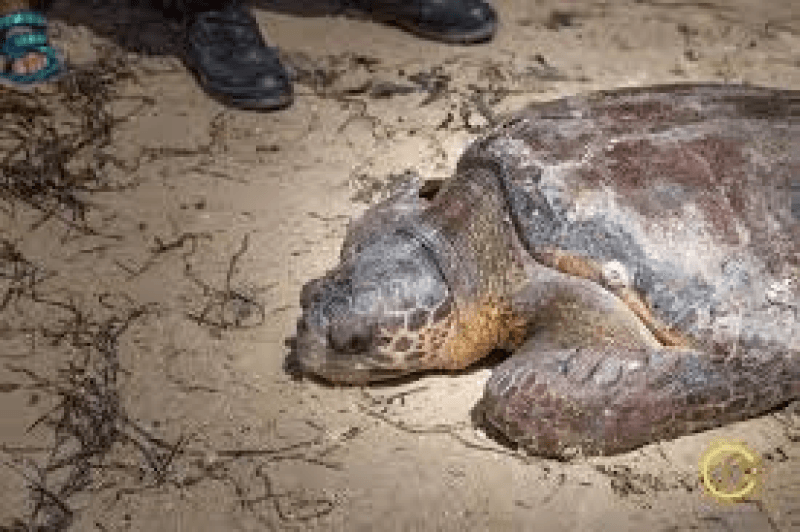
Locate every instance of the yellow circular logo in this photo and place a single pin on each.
(730, 471)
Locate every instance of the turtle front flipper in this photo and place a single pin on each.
(591, 378)
(617, 279)
(564, 403)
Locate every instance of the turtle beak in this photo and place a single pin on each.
(311, 355)
(311, 352)
(309, 349)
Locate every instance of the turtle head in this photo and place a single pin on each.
(383, 312)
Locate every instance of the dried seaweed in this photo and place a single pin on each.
(227, 308)
(56, 149)
(89, 418)
(53, 141)
(376, 407)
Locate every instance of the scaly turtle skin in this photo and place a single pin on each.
(638, 250)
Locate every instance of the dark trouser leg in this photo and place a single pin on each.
(198, 6)
(181, 9)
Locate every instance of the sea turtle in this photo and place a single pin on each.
(637, 250)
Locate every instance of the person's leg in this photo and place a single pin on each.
(225, 49)
(228, 54)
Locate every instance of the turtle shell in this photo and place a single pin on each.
(689, 193)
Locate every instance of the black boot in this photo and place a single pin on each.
(450, 21)
(226, 51)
